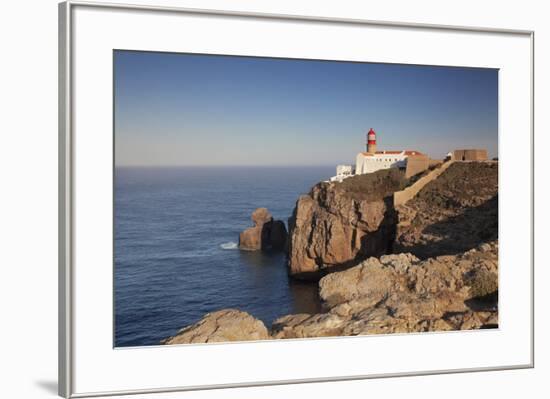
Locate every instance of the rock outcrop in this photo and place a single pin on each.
(400, 294)
(265, 234)
(221, 326)
(452, 213)
(340, 224)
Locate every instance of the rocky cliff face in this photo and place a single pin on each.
(338, 224)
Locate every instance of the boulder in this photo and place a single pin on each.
(265, 234)
(372, 280)
(221, 326)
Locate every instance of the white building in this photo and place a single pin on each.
(372, 160)
(366, 162)
(342, 172)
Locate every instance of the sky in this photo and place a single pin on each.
(209, 110)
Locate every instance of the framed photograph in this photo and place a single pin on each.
(258, 199)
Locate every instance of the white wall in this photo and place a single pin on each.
(369, 164)
(28, 200)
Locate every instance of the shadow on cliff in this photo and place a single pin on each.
(458, 234)
(381, 241)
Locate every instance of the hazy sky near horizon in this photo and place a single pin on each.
(183, 109)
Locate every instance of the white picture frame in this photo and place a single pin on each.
(88, 363)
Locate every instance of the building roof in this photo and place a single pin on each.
(406, 152)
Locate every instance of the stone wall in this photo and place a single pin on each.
(401, 197)
(470, 155)
(416, 164)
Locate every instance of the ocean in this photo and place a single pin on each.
(176, 255)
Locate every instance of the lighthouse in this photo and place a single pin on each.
(371, 141)
(373, 160)
(412, 162)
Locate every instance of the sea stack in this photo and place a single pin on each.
(265, 234)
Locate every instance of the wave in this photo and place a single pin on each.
(229, 245)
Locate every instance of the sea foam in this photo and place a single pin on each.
(229, 245)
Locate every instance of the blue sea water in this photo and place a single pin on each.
(176, 255)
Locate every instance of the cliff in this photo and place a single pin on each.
(340, 224)
(442, 273)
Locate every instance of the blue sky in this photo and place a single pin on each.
(185, 109)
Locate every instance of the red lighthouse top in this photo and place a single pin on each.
(371, 141)
(371, 135)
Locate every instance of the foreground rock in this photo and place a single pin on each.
(400, 294)
(221, 326)
(265, 234)
(338, 224)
